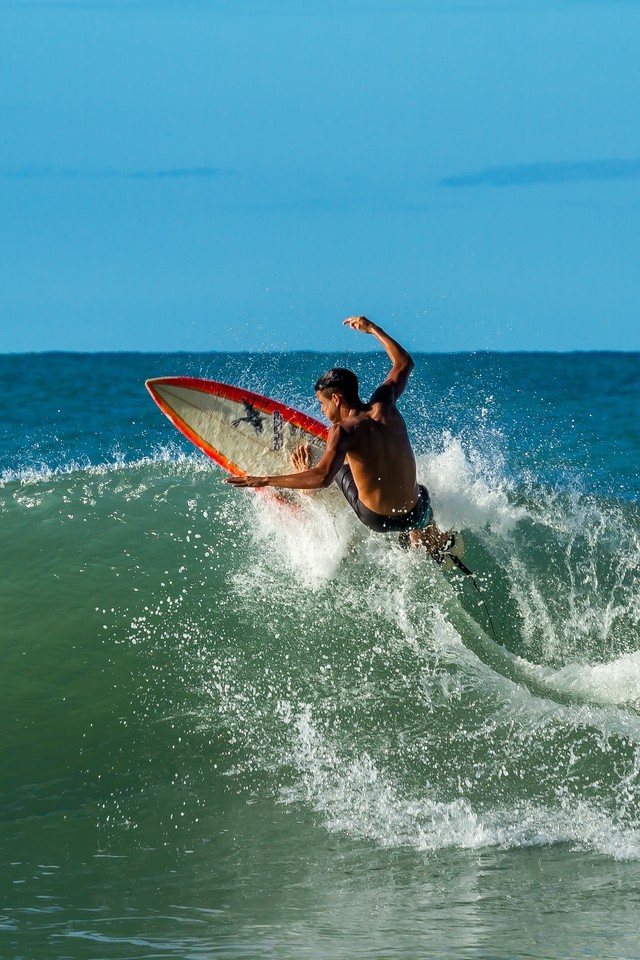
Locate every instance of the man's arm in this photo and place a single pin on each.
(397, 378)
(322, 475)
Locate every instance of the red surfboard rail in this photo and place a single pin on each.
(238, 395)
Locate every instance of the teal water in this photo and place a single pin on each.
(229, 732)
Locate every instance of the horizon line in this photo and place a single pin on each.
(429, 353)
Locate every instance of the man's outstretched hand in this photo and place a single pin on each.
(247, 481)
(359, 323)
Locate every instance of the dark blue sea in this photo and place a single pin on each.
(230, 731)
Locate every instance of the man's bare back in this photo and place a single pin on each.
(381, 459)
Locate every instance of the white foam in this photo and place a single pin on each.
(573, 578)
(466, 491)
(356, 798)
(303, 535)
(617, 682)
(34, 474)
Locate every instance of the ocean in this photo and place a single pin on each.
(235, 731)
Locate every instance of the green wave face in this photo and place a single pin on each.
(300, 660)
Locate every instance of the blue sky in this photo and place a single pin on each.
(242, 174)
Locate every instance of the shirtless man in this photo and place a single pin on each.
(367, 453)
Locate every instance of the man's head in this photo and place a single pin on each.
(337, 391)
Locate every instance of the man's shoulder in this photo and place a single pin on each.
(361, 424)
(358, 420)
(348, 430)
(385, 395)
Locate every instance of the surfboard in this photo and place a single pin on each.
(246, 433)
(243, 432)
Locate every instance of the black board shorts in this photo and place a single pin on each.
(416, 519)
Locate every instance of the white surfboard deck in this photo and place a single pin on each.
(243, 432)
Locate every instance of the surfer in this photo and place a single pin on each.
(368, 453)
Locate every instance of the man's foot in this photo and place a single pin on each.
(437, 543)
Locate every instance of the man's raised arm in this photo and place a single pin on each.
(401, 360)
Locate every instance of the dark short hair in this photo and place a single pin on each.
(341, 381)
